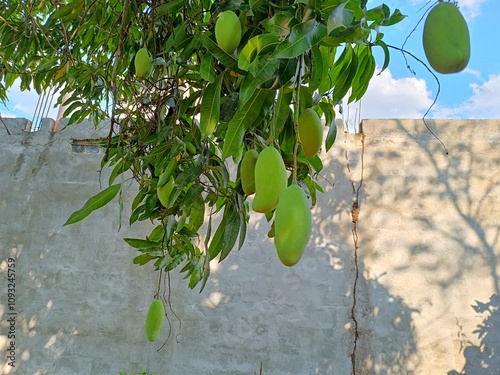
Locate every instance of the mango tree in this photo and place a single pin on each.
(189, 86)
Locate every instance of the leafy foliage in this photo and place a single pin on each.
(200, 107)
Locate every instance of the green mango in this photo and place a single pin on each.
(446, 39)
(154, 319)
(247, 171)
(310, 132)
(143, 63)
(270, 180)
(165, 191)
(292, 225)
(228, 31)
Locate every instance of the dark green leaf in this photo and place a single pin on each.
(301, 38)
(210, 107)
(141, 244)
(331, 136)
(243, 118)
(97, 201)
(386, 54)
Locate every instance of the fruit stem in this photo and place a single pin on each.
(296, 117)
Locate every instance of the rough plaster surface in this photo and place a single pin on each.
(411, 287)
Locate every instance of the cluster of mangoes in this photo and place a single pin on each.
(265, 175)
(446, 39)
(227, 35)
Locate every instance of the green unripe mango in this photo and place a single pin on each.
(165, 191)
(154, 319)
(446, 39)
(228, 31)
(270, 180)
(247, 171)
(143, 63)
(292, 225)
(310, 132)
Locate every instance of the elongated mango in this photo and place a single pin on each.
(446, 39)
(228, 31)
(270, 180)
(165, 191)
(143, 63)
(292, 225)
(154, 319)
(310, 132)
(247, 171)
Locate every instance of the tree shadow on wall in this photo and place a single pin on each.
(385, 341)
(483, 359)
(379, 338)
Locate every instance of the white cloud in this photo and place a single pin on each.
(483, 103)
(7, 114)
(24, 103)
(469, 8)
(388, 97)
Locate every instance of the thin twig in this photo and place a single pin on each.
(435, 98)
(5, 125)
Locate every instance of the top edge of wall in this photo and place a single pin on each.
(22, 127)
(457, 127)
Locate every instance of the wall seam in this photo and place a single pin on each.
(355, 217)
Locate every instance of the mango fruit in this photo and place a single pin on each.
(310, 132)
(228, 31)
(143, 63)
(165, 191)
(154, 319)
(247, 171)
(270, 180)
(446, 39)
(292, 225)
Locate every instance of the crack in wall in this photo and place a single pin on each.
(355, 217)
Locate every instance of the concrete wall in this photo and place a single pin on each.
(401, 275)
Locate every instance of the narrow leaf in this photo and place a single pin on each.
(210, 107)
(331, 136)
(242, 119)
(264, 72)
(207, 68)
(281, 112)
(231, 231)
(301, 38)
(386, 54)
(254, 46)
(226, 59)
(94, 203)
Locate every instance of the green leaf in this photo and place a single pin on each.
(243, 118)
(340, 18)
(386, 54)
(395, 18)
(264, 71)
(210, 107)
(331, 136)
(142, 259)
(231, 231)
(254, 46)
(141, 244)
(218, 239)
(171, 7)
(281, 112)
(219, 54)
(301, 38)
(121, 167)
(207, 68)
(97, 201)
(319, 69)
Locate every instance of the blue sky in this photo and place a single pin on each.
(397, 93)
